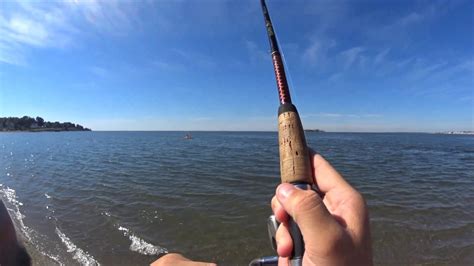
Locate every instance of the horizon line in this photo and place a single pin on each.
(262, 131)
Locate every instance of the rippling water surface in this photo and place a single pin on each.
(123, 197)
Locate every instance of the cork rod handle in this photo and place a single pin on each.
(295, 165)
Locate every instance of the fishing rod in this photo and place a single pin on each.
(295, 165)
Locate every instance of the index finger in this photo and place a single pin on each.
(325, 176)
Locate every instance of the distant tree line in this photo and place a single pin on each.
(27, 123)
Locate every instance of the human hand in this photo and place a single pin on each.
(175, 259)
(335, 228)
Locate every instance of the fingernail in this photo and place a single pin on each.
(284, 190)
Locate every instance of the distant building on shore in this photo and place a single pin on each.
(465, 132)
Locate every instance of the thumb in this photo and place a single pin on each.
(308, 211)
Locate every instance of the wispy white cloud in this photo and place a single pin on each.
(398, 29)
(440, 79)
(24, 30)
(411, 18)
(351, 56)
(336, 64)
(28, 25)
(417, 74)
(318, 51)
(12, 54)
(112, 16)
(422, 69)
(384, 35)
(25, 25)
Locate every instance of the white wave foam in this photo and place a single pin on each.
(47, 196)
(141, 246)
(52, 257)
(10, 195)
(80, 255)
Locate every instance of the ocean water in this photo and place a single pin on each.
(121, 198)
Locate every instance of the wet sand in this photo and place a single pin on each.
(37, 258)
(10, 244)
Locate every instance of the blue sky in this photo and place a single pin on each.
(204, 65)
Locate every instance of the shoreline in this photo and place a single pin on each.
(20, 241)
(42, 130)
(37, 258)
(45, 130)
